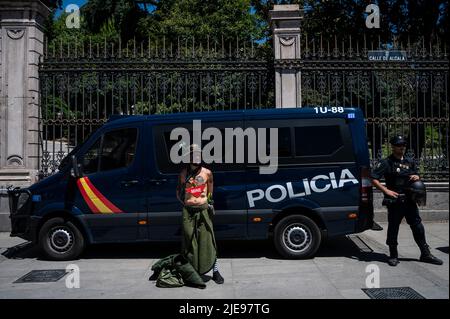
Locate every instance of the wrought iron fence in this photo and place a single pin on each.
(400, 96)
(82, 84)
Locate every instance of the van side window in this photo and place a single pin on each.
(116, 150)
(317, 140)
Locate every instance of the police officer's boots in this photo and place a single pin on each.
(427, 257)
(393, 256)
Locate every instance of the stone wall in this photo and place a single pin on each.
(21, 46)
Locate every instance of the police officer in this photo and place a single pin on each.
(398, 173)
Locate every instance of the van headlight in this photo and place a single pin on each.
(18, 199)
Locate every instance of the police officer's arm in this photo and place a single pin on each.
(376, 175)
(384, 189)
(414, 172)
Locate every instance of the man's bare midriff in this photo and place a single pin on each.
(190, 199)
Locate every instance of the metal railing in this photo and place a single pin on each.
(82, 84)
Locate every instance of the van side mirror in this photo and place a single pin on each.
(76, 170)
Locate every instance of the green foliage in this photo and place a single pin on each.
(433, 141)
(53, 4)
(58, 109)
(122, 14)
(199, 18)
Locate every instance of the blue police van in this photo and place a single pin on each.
(119, 185)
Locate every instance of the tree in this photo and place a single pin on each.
(399, 18)
(201, 18)
(123, 14)
(53, 4)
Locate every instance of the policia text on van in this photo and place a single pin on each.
(118, 186)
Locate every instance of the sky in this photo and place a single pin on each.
(67, 2)
(77, 2)
(81, 2)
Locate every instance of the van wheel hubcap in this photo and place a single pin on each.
(61, 239)
(297, 237)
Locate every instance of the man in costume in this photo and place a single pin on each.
(194, 191)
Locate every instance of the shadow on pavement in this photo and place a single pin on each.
(346, 246)
(21, 251)
(226, 249)
(443, 249)
(352, 247)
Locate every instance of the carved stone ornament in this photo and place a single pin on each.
(14, 160)
(15, 34)
(287, 41)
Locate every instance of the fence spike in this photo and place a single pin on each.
(223, 48)
(60, 48)
(321, 44)
(252, 52)
(164, 46)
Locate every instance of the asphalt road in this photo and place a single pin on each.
(342, 267)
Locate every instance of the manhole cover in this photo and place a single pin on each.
(393, 293)
(42, 276)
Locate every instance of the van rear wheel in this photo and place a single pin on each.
(60, 239)
(297, 237)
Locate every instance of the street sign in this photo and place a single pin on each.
(387, 55)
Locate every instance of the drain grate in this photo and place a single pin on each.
(393, 293)
(50, 275)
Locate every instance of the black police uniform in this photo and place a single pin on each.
(396, 173)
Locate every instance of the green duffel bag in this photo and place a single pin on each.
(169, 278)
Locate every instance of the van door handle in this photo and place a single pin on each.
(157, 181)
(129, 183)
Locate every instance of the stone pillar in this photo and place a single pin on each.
(21, 45)
(285, 22)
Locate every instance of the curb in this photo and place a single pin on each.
(426, 215)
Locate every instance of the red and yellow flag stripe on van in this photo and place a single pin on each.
(94, 199)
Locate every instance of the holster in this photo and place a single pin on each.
(387, 201)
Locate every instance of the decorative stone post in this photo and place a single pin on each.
(285, 22)
(21, 45)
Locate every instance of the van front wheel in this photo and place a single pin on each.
(60, 239)
(297, 237)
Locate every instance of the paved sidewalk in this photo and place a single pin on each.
(251, 269)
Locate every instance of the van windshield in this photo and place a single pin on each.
(66, 159)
